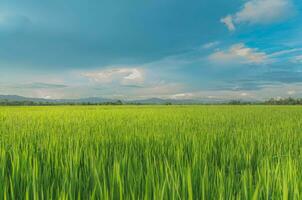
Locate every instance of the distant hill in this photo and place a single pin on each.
(98, 100)
(13, 98)
(95, 100)
(42, 100)
(173, 101)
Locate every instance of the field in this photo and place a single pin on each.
(151, 152)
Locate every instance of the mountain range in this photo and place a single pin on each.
(14, 98)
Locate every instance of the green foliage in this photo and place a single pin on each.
(54, 103)
(284, 101)
(151, 152)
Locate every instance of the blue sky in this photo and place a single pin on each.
(210, 49)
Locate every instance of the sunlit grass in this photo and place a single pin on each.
(151, 152)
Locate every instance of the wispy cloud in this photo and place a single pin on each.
(36, 85)
(160, 90)
(264, 93)
(259, 12)
(210, 45)
(286, 51)
(44, 85)
(211, 96)
(239, 53)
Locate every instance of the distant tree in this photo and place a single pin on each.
(235, 102)
(119, 102)
(284, 101)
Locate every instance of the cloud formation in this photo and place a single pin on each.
(297, 59)
(228, 21)
(286, 51)
(210, 45)
(123, 76)
(43, 54)
(239, 53)
(183, 96)
(259, 12)
(265, 93)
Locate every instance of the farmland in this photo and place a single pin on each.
(151, 152)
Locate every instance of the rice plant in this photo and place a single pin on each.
(151, 152)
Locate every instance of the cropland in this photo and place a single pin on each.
(151, 152)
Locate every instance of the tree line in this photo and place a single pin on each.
(272, 101)
(46, 103)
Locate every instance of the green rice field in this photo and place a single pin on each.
(151, 152)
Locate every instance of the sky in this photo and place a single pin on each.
(134, 49)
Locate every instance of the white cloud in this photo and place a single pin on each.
(228, 21)
(239, 53)
(212, 96)
(283, 52)
(259, 12)
(244, 94)
(291, 92)
(297, 59)
(124, 76)
(182, 96)
(210, 45)
(265, 93)
(161, 90)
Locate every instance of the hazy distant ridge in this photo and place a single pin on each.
(104, 100)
